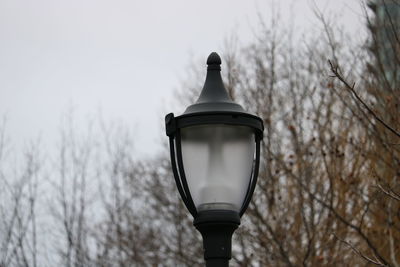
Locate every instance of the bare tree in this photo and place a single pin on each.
(18, 197)
(70, 205)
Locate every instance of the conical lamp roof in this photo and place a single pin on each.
(214, 97)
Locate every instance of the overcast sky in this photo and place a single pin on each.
(123, 58)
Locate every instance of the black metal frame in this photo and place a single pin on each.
(173, 126)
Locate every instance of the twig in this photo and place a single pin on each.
(336, 73)
(390, 194)
(376, 261)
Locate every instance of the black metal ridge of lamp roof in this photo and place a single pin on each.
(214, 106)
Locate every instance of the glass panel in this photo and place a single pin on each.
(218, 161)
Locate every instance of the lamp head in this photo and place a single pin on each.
(215, 148)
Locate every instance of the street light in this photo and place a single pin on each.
(215, 154)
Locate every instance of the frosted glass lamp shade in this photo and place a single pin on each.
(218, 161)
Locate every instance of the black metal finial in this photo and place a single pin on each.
(214, 96)
(214, 61)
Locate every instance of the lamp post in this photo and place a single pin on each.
(215, 154)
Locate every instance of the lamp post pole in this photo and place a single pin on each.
(215, 154)
(216, 228)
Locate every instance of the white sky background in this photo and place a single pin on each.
(123, 57)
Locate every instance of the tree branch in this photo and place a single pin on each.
(335, 71)
(376, 262)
